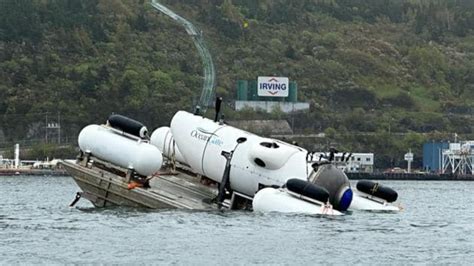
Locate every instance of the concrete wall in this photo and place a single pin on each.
(286, 107)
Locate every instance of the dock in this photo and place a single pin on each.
(410, 176)
(32, 172)
(106, 185)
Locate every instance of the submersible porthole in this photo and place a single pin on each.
(259, 162)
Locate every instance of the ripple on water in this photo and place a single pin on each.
(41, 228)
(430, 225)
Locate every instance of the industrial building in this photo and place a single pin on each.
(357, 162)
(449, 158)
(432, 156)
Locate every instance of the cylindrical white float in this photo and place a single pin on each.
(163, 140)
(278, 200)
(360, 202)
(129, 153)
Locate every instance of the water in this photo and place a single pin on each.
(37, 226)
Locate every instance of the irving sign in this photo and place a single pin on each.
(273, 86)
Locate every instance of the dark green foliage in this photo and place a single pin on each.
(87, 59)
(353, 97)
(401, 100)
(49, 151)
(19, 21)
(369, 68)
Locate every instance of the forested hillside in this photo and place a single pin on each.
(370, 69)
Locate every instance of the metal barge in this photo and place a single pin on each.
(106, 185)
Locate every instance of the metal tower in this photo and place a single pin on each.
(459, 158)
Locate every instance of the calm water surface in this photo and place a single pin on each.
(37, 226)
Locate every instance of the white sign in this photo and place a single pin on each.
(273, 86)
(409, 156)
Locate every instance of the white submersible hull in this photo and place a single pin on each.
(246, 163)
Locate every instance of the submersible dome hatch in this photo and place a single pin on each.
(335, 181)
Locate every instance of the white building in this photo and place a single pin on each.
(357, 162)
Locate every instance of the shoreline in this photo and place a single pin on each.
(351, 176)
(409, 177)
(32, 172)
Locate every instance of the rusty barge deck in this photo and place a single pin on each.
(108, 186)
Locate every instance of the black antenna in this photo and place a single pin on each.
(218, 108)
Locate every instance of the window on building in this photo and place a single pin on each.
(358, 159)
(367, 159)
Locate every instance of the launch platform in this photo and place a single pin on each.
(106, 185)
